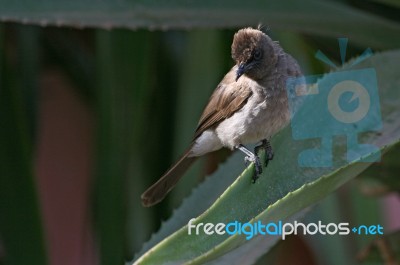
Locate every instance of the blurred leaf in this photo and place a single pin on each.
(383, 250)
(21, 229)
(199, 76)
(300, 253)
(66, 49)
(28, 71)
(382, 178)
(363, 210)
(325, 18)
(124, 87)
(331, 210)
(298, 47)
(392, 3)
(284, 189)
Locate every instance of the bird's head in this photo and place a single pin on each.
(253, 52)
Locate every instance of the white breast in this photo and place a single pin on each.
(260, 118)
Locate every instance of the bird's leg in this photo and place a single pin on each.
(250, 157)
(269, 154)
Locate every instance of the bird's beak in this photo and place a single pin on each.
(240, 70)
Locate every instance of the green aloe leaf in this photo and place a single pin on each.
(325, 18)
(283, 192)
(21, 227)
(392, 3)
(123, 96)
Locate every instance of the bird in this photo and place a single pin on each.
(248, 106)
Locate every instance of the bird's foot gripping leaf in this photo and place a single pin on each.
(250, 157)
(269, 154)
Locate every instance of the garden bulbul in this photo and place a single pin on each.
(249, 105)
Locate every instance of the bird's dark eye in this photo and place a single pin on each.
(257, 55)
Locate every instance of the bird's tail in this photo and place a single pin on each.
(160, 189)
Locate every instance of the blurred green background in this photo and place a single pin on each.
(97, 99)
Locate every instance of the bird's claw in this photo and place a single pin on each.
(268, 157)
(269, 154)
(258, 169)
(250, 157)
(257, 166)
(247, 160)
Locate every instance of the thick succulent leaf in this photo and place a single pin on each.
(325, 18)
(285, 188)
(21, 228)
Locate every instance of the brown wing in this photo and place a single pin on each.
(224, 102)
